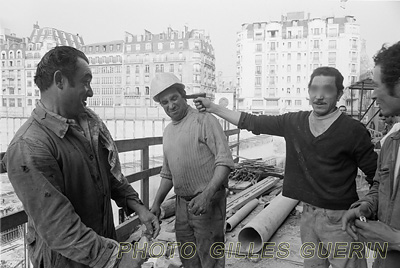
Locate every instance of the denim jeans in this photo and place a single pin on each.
(197, 234)
(324, 242)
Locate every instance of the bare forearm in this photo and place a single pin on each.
(163, 190)
(220, 175)
(229, 115)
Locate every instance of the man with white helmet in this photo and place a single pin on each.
(197, 162)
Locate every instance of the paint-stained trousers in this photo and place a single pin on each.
(325, 243)
(201, 237)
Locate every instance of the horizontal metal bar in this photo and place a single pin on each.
(13, 220)
(137, 144)
(143, 174)
(234, 145)
(232, 132)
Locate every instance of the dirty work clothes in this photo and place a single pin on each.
(331, 159)
(325, 243)
(64, 181)
(384, 198)
(197, 234)
(193, 147)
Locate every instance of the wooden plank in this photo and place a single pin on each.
(232, 132)
(13, 220)
(234, 145)
(137, 144)
(125, 229)
(143, 174)
(145, 187)
(250, 193)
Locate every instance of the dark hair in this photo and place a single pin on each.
(62, 58)
(328, 71)
(388, 58)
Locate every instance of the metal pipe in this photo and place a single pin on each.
(263, 226)
(241, 214)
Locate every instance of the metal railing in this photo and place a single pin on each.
(124, 230)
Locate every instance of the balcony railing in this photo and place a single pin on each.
(11, 224)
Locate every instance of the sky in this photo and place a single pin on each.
(101, 20)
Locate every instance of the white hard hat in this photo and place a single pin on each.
(162, 81)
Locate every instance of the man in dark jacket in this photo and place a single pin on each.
(381, 206)
(64, 167)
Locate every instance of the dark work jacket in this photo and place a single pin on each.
(383, 198)
(65, 186)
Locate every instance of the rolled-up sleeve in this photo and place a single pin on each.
(37, 181)
(217, 142)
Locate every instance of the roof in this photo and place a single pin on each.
(364, 84)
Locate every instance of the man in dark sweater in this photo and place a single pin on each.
(324, 149)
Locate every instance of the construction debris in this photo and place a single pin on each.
(263, 226)
(254, 171)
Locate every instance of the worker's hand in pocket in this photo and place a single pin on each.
(199, 204)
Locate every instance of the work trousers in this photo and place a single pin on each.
(202, 236)
(325, 243)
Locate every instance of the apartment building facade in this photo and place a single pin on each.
(275, 59)
(19, 58)
(123, 70)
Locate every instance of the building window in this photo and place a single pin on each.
(171, 68)
(289, 68)
(332, 57)
(316, 44)
(289, 45)
(172, 45)
(137, 47)
(128, 69)
(258, 69)
(332, 44)
(147, 91)
(297, 102)
(97, 48)
(298, 90)
(257, 92)
(162, 68)
(289, 56)
(11, 91)
(180, 67)
(258, 81)
(288, 102)
(258, 59)
(180, 45)
(288, 90)
(288, 79)
(258, 47)
(273, 46)
(147, 68)
(11, 102)
(4, 102)
(298, 67)
(137, 69)
(298, 79)
(19, 102)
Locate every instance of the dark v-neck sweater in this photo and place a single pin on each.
(319, 170)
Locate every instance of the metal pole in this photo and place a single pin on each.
(369, 107)
(241, 214)
(361, 99)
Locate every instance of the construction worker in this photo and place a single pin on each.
(324, 149)
(64, 167)
(197, 162)
(380, 207)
